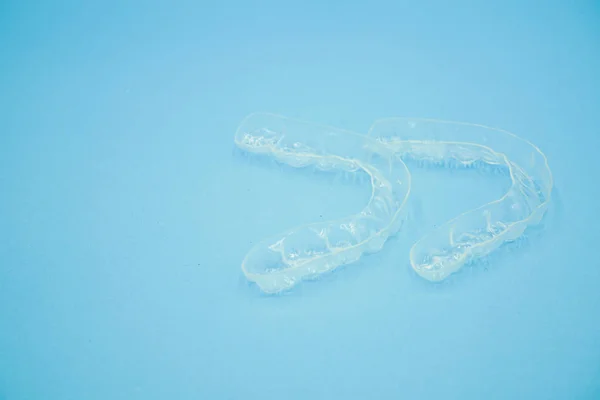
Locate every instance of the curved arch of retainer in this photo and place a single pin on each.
(280, 262)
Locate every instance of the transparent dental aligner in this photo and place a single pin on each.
(475, 233)
(280, 262)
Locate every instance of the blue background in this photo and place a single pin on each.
(124, 215)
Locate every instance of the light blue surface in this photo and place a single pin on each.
(124, 215)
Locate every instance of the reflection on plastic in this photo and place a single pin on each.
(278, 263)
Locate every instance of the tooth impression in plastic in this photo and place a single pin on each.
(278, 263)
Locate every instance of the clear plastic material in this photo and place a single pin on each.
(280, 262)
(475, 233)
